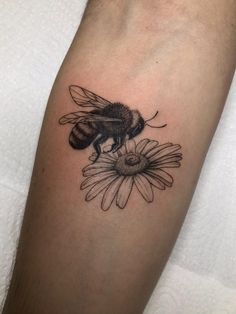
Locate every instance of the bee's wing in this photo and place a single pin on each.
(91, 117)
(85, 98)
(85, 117)
(73, 117)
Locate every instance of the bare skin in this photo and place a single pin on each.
(174, 56)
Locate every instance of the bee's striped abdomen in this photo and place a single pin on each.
(82, 135)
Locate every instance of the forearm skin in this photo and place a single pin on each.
(177, 57)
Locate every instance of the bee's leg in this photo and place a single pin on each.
(118, 143)
(96, 144)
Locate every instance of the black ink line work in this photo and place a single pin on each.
(134, 166)
(105, 120)
(125, 165)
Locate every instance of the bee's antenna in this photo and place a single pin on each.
(154, 116)
(152, 126)
(156, 127)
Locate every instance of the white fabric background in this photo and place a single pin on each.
(200, 277)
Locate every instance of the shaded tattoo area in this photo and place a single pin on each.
(127, 165)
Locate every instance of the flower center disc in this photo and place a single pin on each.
(132, 160)
(131, 164)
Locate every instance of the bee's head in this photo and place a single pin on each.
(137, 124)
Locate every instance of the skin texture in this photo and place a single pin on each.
(174, 56)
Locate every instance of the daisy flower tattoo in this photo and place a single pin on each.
(134, 166)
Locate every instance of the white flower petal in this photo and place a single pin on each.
(96, 178)
(164, 160)
(98, 166)
(162, 176)
(124, 191)
(144, 187)
(157, 149)
(106, 157)
(107, 148)
(165, 151)
(122, 150)
(149, 147)
(141, 145)
(98, 187)
(112, 155)
(130, 146)
(103, 157)
(176, 156)
(172, 164)
(105, 160)
(93, 157)
(111, 192)
(94, 171)
(154, 181)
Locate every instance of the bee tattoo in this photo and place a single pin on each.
(128, 164)
(105, 120)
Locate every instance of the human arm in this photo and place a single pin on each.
(174, 57)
